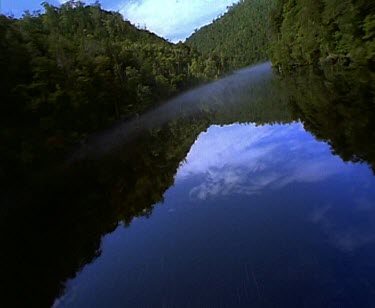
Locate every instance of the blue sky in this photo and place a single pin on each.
(172, 19)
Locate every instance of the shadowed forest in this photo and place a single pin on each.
(76, 69)
(69, 72)
(292, 33)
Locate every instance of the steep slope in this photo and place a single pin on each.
(74, 70)
(241, 36)
(310, 32)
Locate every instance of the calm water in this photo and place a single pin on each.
(254, 191)
(262, 216)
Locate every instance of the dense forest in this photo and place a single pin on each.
(292, 33)
(240, 37)
(311, 32)
(75, 69)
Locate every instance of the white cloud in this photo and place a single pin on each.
(245, 159)
(173, 19)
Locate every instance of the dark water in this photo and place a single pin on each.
(254, 191)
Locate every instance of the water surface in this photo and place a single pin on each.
(257, 216)
(253, 191)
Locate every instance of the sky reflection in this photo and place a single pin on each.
(268, 204)
(246, 159)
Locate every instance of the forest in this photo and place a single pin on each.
(71, 71)
(314, 32)
(241, 36)
(76, 69)
(292, 33)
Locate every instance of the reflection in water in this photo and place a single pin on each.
(254, 218)
(337, 106)
(249, 95)
(62, 215)
(246, 159)
(307, 208)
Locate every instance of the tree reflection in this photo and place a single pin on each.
(337, 106)
(52, 224)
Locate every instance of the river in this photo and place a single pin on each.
(256, 190)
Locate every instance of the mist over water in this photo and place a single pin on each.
(254, 190)
(216, 95)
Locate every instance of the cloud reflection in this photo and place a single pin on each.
(246, 159)
(345, 233)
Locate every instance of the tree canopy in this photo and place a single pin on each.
(292, 33)
(240, 37)
(311, 32)
(75, 69)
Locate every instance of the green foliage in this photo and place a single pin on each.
(76, 69)
(240, 37)
(291, 33)
(311, 32)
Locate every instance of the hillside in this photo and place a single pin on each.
(76, 69)
(291, 33)
(241, 36)
(311, 32)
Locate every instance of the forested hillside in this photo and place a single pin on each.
(291, 33)
(74, 70)
(308, 32)
(241, 36)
